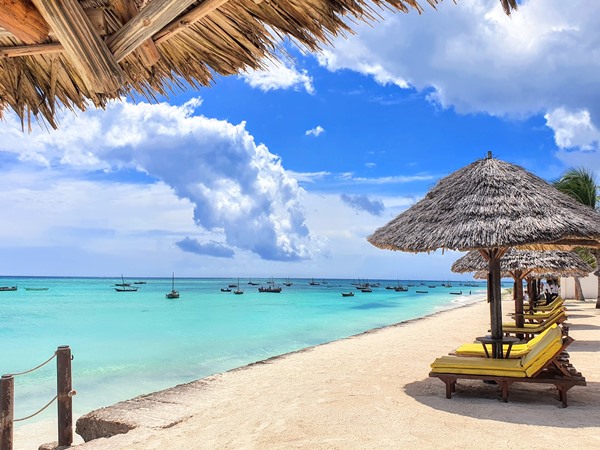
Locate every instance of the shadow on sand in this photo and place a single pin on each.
(529, 404)
(578, 316)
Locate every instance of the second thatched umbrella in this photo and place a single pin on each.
(520, 264)
(491, 205)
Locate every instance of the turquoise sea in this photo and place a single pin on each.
(130, 343)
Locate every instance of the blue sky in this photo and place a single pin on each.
(285, 172)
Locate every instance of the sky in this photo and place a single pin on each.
(286, 171)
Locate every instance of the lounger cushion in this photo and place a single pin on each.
(517, 351)
(537, 357)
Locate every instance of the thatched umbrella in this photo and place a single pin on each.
(491, 205)
(81, 52)
(520, 264)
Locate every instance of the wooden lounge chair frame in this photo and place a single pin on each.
(557, 371)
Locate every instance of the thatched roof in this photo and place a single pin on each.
(539, 262)
(491, 204)
(78, 51)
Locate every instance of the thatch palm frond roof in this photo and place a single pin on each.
(78, 51)
(559, 263)
(97, 50)
(491, 204)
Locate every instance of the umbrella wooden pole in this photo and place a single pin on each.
(495, 300)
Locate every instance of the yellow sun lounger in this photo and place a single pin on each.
(528, 330)
(543, 364)
(549, 307)
(517, 350)
(539, 317)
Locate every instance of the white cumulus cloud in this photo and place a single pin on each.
(471, 57)
(239, 190)
(316, 131)
(279, 75)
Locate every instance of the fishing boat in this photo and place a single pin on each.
(252, 283)
(313, 282)
(226, 289)
(36, 289)
(366, 289)
(126, 289)
(8, 288)
(347, 294)
(139, 282)
(238, 291)
(422, 292)
(173, 293)
(456, 293)
(122, 283)
(270, 288)
(400, 289)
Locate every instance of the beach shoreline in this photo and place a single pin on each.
(325, 387)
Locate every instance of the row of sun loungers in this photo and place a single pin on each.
(540, 358)
(536, 323)
(558, 301)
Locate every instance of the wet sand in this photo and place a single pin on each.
(368, 391)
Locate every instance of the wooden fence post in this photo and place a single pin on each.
(7, 406)
(63, 391)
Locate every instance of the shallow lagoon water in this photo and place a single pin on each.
(130, 343)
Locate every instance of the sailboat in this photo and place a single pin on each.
(287, 282)
(238, 291)
(124, 287)
(122, 283)
(173, 293)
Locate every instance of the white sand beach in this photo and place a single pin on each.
(368, 391)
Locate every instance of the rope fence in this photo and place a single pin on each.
(63, 396)
(36, 367)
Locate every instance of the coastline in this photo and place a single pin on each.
(367, 390)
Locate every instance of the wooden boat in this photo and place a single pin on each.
(225, 289)
(347, 294)
(238, 291)
(173, 293)
(313, 282)
(139, 282)
(422, 292)
(273, 289)
(36, 289)
(400, 289)
(8, 288)
(456, 293)
(122, 283)
(252, 283)
(366, 289)
(287, 282)
(126, 289)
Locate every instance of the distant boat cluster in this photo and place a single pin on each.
(270, 286)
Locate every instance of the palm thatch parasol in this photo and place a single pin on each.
(491, 205)
(77, 51)
(520, 264)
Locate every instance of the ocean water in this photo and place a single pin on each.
(130, 343)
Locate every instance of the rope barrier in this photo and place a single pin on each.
(35, 368)
(36, 413)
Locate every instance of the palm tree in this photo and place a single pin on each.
(581, 184)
